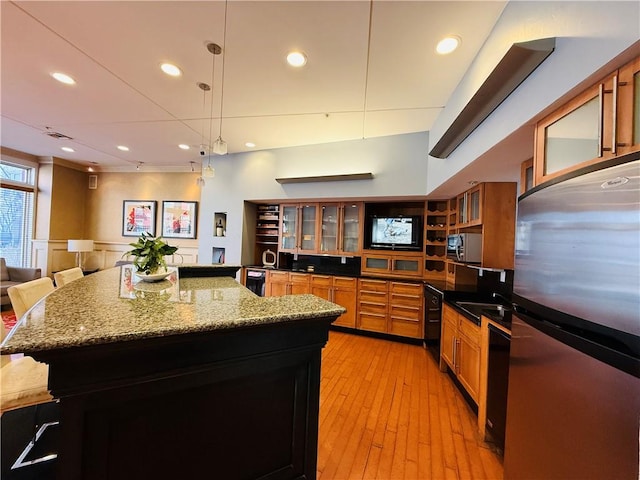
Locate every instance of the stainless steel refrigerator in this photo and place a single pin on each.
(573, 407)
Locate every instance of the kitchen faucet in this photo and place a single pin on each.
(499, 296)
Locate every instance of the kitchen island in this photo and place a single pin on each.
(185, 378)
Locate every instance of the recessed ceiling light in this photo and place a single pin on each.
(249, 144)
(184, 146)
(171, 69)
(89, 169)
(64, 78)
(296, 59)
(447, 44)
(123, 148)
(68, 149)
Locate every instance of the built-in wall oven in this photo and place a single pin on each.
(432, 319)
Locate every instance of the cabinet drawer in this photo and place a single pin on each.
(405, 328)
(321, 280)
(371, 322)
(376, 297)
(403, 312)
(470, 330)
(449, 314)
(373, 307)
(299, 278)
(345, 282)
(406, 288)
(278, 276)
(409, 300)
(373, 285)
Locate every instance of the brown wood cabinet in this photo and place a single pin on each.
(402, 264)
(600, 123)
(299, 228)
(470, 207)
(340, 290)
(460, 350)
(490, 210)
(281, 283)
(435, 239)
(393, 307)
(341, 228)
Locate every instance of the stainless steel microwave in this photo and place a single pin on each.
(465, 247)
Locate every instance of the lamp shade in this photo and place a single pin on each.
(80, 245)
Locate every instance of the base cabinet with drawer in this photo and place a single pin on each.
(287, 283)
(393, 307)
(340, 290)
(460, 350)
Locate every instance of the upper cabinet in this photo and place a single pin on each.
(470, 207)
(340, 227)
(600, 123)
(490, 209)
(629, 107)
(299, 228)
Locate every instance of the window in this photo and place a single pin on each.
(16, 212)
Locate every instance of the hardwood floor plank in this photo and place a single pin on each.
(387, 412)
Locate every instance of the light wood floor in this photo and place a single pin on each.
(387, 412)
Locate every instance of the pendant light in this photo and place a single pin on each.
(220, 146)
(208, 170)
(204, 150)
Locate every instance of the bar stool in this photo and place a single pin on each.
(67, 276)
(23, 380)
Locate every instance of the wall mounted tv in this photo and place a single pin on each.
(396, 232)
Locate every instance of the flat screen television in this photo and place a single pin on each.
(395, 232)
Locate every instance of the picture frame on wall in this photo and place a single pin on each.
(138, 217)
(179, 219)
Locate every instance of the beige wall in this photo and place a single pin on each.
(68, 202)
(43, 201)
(103, 220)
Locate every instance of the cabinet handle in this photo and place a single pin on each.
(455, 351)
(600, 114)
(614, 126)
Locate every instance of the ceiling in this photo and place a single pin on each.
(372, 71)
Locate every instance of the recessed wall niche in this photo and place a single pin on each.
(220, 224)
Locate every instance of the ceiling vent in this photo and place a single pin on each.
(59, 136)
(516, 65)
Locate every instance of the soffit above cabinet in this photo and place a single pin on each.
(517, 64)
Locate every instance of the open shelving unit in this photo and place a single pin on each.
(435, 239)
(267, 229)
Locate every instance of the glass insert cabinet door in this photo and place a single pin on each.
(351, 228)
(288, 234)
(329, 225)
(573, 138)
(308, 233)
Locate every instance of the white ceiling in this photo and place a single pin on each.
(358, 81)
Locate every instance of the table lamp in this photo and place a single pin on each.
(79, 246)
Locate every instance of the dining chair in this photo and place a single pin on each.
(66, 276)
(24, 381)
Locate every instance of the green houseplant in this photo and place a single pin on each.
(149, 253)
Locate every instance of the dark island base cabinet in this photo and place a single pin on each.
(241, 404)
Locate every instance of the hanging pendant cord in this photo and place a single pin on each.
(213, 67)
(224, 51)
(366, 76)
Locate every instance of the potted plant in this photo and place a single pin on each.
(149, 253)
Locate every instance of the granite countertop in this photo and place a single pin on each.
(113, 306)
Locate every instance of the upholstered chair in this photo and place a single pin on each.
(66, 276)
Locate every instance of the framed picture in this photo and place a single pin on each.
(138, 217)
(179, 219)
